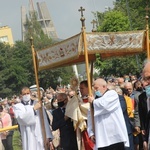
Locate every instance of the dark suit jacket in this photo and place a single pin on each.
(67, 132)
(125, 114)
(143, 113)
(127, 121)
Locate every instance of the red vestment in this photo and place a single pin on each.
(88, 144)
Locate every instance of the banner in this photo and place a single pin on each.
(60, 53)
(108, 44)
(103, 42)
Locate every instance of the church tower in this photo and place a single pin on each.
(44, 19)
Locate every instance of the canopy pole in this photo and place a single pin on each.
(91, 73)
(38, 92)
(87, 63)
(93, 30)
(147, 38)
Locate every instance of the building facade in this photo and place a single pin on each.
(6, 35)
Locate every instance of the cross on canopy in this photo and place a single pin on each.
(82, 17)
(81, 9)
(94, 23)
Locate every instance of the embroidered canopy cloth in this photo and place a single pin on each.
(107, 44)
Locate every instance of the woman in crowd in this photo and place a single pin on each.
(5, 121)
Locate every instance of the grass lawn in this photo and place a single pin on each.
(17, 140)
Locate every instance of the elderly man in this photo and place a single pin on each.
(134, 95)
(110, 127)
(28, 117)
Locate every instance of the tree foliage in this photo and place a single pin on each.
(16, 64)
(114, 21)
(135, 10)
(126, 15)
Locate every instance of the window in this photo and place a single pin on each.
(4, 39)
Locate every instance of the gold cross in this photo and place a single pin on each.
(94, 23)
(81, 9)
(82, 17)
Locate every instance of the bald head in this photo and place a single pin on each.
(128, 84)
(129, 87)
(100, 81)
(121, 81)
(100, 85)
(146, 66)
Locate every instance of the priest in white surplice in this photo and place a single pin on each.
(110, 129)
(28, 117)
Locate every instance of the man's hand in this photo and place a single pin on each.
(49, 144)
(92, 138)
(90, 99)
(37, 106)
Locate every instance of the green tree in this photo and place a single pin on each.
(14, 69)
(22, 63)
(114, 21)
(50, 77)
(4, 69)
(135, 10)
(46, 77)
(16, 64)
(35, 31)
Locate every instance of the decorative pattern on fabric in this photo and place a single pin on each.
(131, 40)
(59, 53)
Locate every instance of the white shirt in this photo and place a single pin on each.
(109, 122)
(30, 127)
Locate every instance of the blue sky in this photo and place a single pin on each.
(64, 13)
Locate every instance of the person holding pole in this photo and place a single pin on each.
(84, 106)
(28, 118)
(110, 128)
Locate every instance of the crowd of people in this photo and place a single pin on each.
(114, 117)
